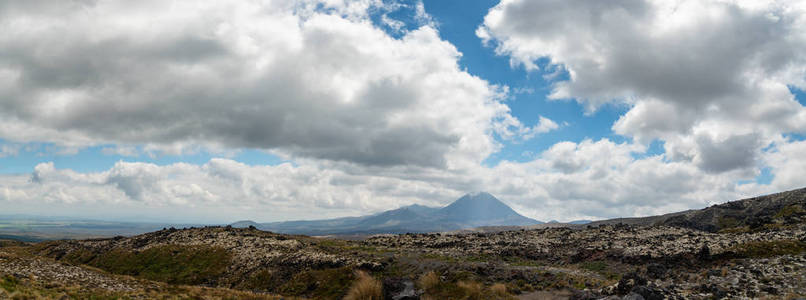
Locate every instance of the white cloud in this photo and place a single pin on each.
(9, 150)
(121, 150)
(544, 125)
(318, 82)
(787, 161)
(590, 179)
(600, 179)
(511, 129)
(706, 77)
(231, 189)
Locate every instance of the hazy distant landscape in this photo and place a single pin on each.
(469, 211)
(36, 228)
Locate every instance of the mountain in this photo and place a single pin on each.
(471, 210)
(482, 209)
(244, 224)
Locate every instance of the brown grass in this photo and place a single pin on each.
(472, 290)
(499, 289)
(429, 281)
(365, 288)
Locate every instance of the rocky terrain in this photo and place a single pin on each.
(27, 276)
(662, 262)
(748, 249)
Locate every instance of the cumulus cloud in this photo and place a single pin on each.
(787, 161)
(590, 179)
(695, 73)
(228, 187)
(312, 79)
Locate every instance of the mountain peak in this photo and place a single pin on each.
(483, 208)
(478, 193)
(244, 224)
(478, 196)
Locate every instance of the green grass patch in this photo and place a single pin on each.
(331, 244)
(319, 284)
(517, 261)
(82, 256)
(727, 222)
(788, 211)
(595, 266)
(170, 263)
(769, 248)
(601, 267)
(9, 283)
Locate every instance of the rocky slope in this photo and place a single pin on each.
(247, 253)
(777, 209)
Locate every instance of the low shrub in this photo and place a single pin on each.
(365, 288)
(319, 284)
(499, 289)
(169, 263)
(769, 248)
(471, 290)
(429, 281)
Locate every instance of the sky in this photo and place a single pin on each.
(215, 111)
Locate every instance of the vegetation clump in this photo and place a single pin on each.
(429, 281)
(595, 266)
(464, 289)
(319, 284)
(365, 288)
(174, 264)
(769, 248)
(9, 283)
(789, 211)
(499, 289)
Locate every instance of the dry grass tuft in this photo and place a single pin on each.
(472, 290)
(365, 288)
(499, 289)
(429, 281)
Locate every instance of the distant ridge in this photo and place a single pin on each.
(471, 210)
(244, 224)
(777, 209)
